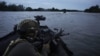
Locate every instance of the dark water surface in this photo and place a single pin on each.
(84, 28)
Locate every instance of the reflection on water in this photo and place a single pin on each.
(84, 28)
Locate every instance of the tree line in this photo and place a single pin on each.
(14, 7)
(11, 7)
(95, 9)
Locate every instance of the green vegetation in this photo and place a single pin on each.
(93, 9)
(10, 7)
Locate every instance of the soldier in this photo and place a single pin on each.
(23, 46)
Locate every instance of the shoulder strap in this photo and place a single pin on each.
(12, 44)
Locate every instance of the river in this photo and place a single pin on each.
(84, 28)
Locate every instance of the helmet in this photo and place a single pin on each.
(28, 28)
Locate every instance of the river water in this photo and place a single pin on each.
(84, 28)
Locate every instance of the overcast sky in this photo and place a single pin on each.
(67, 4)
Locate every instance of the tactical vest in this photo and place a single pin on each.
(16, 44)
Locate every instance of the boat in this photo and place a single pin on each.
(58, 47)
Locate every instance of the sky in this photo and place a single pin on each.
(60, 4)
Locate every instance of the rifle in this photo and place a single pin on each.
(59, 41)
(54, 38)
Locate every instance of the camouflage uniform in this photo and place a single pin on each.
(22, 47)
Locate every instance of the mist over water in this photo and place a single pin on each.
(84, 28)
